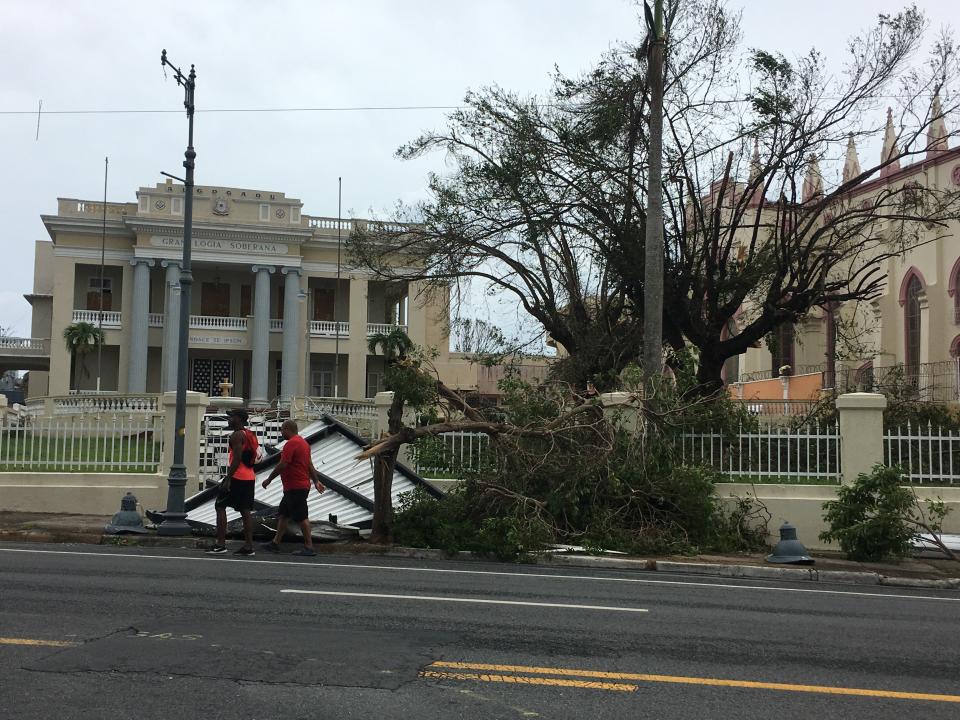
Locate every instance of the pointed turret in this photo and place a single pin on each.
(851, 166)
(889, 147)
(937, 130)
(812, 181)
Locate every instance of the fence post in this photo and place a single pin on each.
(193, 428)
(624, 408)
(861, 433)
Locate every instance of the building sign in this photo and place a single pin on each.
(249, 247)
(214, 340)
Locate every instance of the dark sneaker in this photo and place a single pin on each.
(304, 552)
(270, 547)
(245, 552)
(217, 550)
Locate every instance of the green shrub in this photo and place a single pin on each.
(870, 519)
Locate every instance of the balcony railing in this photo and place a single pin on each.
(383, 328)
(111, 319)
(276, 324)
(329, 328)
(25, 346)
(155, 320)
(216, 322)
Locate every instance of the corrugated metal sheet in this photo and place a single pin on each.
(334, 456)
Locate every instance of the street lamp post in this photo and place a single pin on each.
(174, 518)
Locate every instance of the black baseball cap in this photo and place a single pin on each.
(238, 412)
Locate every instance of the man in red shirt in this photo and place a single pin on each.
(236, 489)
(296, 471)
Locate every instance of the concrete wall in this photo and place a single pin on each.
(802, 505)
(83, 493)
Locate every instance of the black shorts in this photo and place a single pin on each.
(239, 497)
(294, 505)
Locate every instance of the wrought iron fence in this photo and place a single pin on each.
(772, 453)
(112, 443)
(926, 454)
(449, 454)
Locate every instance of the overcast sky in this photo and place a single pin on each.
(318, 54)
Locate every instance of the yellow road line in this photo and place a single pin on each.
(642, 677)
(521, 680)
(34, 641)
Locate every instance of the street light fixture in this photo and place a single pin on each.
(174, 517)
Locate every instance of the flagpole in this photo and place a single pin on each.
(103, 252)
(336, 295)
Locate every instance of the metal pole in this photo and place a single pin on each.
(653, 271)
(174, 518)
(336, 294)
(103, 253)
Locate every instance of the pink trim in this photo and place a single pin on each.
(955, 347)
(911, 273)
(952, 283)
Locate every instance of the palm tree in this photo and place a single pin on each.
(395, 347)
(81, 338)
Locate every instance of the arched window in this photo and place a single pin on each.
(782, 352)
(952, 286)
(911, 315)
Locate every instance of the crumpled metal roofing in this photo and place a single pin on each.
(349, 482)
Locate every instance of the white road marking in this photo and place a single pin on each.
(596, 578)
(482, 601)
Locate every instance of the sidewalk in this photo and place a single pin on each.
(829, 568)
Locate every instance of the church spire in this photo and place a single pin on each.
(755, 171)
(937, 130)
(813, 180)
(851, 167)
(889, 147)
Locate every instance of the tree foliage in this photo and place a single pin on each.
(545, 201)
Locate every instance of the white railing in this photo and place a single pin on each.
(111, 319)
(216, 322)
(276, 324)
(329, 328)
(449, 454)
(771, 453)
(155, 320)
(340, 407)
(329, 223)
(32, 345)
(925, 454)
(93, 404)
(89, 444)
(383, 328)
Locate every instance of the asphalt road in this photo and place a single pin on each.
(103, 632)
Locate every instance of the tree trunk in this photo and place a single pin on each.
(709, 375)
(383, 466)
(382, 529)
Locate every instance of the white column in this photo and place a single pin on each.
(356, 345)
(171, 325)
(291, 335)
(260, 336)
(139, 325)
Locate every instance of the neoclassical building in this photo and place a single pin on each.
(912, 329)
(266, 310)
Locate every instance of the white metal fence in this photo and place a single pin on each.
(84, 444)
(771, 453)
(925, 454)
(448, 454)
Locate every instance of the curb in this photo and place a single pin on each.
(805, 574)
(756, 572)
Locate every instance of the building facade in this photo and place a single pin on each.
(267, 312)
(910, 334)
